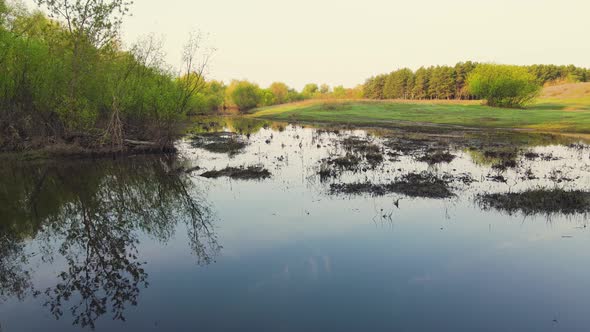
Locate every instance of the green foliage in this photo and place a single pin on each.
(58, 84)
(503, 85)
(399, 84)
(280, 91)
(339, 92)
(462, 71)
(374, 87)
(421, 84)
(293, 96)
(267, 98)
(3, 12)
(551, 73)
(310, 90)
(209, 100)
(446, 82)
(93, 21)
(244, 95)
(442, 83)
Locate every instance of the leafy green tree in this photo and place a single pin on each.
(504, 85)
(339, 92)
(215, 92)
(324, 89)
(94, 21)
(357, 92)
(310, 90)
(245, 95)
(293, 96)
(91, 26)
(3, 12)
(462, 71)
(267, 98)
(280, 91)
(209, 100)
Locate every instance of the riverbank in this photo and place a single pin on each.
(74, 151)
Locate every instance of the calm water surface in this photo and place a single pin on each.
(140, 244)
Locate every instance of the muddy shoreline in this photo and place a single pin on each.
(426, 131)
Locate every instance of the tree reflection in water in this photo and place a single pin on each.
(92, 214)
(14, 280)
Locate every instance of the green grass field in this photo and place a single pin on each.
(553, 112)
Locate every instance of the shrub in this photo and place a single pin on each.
(245, 95)
(503, 85)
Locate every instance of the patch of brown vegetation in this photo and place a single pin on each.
(437, 157)
(538, 201)
(425, 185)
(567, 91)
(239, 173)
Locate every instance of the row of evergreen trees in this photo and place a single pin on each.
(450, 82)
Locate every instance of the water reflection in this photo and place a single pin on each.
(90, 214)
(83, 240)
(14, 280)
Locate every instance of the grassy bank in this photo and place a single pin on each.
(568, 113)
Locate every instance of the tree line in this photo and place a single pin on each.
(65, 78)
(451, 82)
(244, 95)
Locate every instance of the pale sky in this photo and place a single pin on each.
(345, 42)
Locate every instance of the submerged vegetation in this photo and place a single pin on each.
(426, 185)
(223, 142)
(437, 157)
(350, 166)
(240, 173)
(538, 201)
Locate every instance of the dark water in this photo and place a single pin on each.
(140, 244)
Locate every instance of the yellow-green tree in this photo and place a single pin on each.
(280, 91)
(244, 94)
(310, 90)
(504, 85)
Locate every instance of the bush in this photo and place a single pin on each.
(503, 85)
(245, 95)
